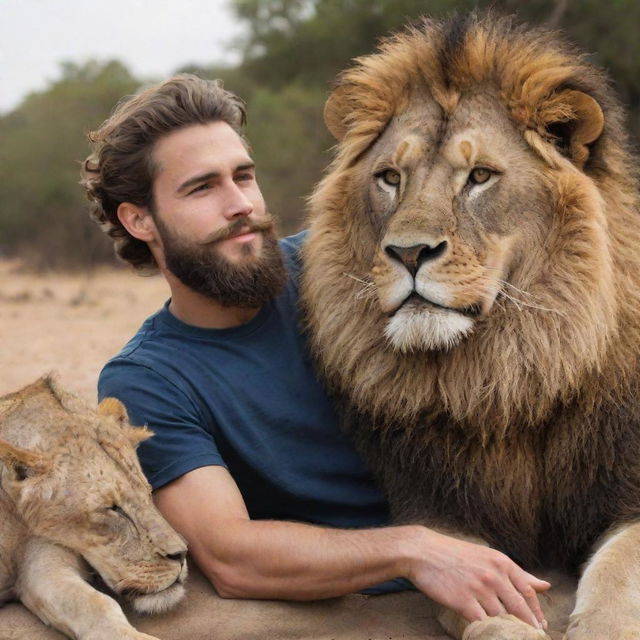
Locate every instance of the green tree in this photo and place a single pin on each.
(43, 213)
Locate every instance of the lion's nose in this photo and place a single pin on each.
(413, 257)
(178, 556)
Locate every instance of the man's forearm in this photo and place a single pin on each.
(292, 561)
(247, 558)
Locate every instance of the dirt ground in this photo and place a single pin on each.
(71, 324)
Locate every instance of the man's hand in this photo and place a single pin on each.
(474, 580)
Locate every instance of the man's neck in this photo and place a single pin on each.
(200, 311)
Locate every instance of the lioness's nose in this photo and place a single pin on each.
(178, 556)
(413, 257)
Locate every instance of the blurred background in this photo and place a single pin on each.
(64, 304)
(279, 55)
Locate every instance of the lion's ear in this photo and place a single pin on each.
(574, 120)
(114, 408)
(24, 464)
(335, 111)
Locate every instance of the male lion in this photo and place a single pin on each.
(472, 288)
(71, 490)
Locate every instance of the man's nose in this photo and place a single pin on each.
(237, 202)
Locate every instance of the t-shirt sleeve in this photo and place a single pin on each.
(181, 442)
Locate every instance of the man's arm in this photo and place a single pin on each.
(246, 558)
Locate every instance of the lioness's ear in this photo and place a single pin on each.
(136, 435)
(334, 112)
(23, 463)
(574, 120)
(114, 408)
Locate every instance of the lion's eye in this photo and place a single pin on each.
(480, 175)
(390, 177)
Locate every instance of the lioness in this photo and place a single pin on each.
(472, 288)
(73, 497)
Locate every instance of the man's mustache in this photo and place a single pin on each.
(240, 226)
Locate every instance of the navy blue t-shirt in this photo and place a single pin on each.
(245, 398)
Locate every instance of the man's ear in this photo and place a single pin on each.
(137, 221)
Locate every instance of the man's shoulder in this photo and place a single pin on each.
(294, 243)
(137, 344)
(291, 246)
(137, 357)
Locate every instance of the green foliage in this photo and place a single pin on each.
(43, 212)
(307, 41)
(292, 53)
(284, 126)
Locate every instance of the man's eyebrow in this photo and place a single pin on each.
(203, 177)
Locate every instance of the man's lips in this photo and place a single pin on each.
(245, 235)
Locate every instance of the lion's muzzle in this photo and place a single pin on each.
(413, 257)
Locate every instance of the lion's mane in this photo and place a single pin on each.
(527, 432)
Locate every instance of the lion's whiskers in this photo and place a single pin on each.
(368, 286)
(501, 293)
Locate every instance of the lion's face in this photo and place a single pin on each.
(464, 243)
(88, 493)
(451, 216)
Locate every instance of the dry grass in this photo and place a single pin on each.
(71, 324)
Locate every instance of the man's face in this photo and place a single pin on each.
(214, 232)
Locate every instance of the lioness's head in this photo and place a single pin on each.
(477, 189)
(75, 480)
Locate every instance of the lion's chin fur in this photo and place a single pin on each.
(155, 603)
(412, 330)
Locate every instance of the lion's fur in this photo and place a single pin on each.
(71, 487)
(526, 431)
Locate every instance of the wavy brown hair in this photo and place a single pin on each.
(121, 167)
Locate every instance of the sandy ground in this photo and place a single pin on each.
(71, 324)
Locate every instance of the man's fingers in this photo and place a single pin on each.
(492, 605)
(529, 586)
(537, 584)
(520, 606)
(473, 611)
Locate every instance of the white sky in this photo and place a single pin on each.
(152, 38)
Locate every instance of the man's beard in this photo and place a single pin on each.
(203, 269)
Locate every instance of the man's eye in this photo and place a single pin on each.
(200, 187)
(244, 176)
(479, 175)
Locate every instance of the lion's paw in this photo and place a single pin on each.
(603, 627)
(503, 627)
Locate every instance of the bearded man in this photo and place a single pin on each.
(248, 462)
